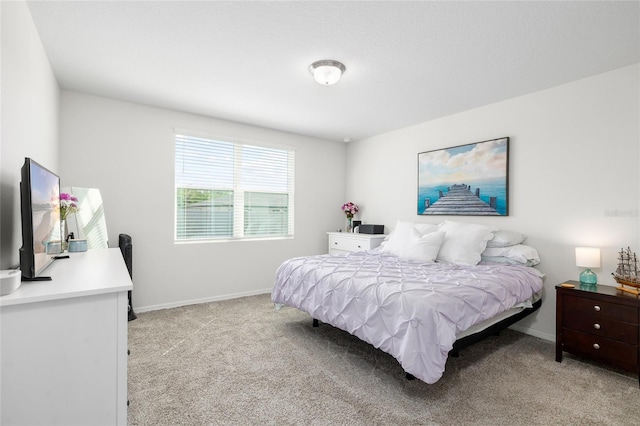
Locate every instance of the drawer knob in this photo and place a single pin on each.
(596, 346)
(596, 326)
(359, 246)
(596, 308)
(335, 243)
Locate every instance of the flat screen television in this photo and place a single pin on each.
(41, 224)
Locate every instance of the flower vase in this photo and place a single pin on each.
(349, 224)
(65, 232)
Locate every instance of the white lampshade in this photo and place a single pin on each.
(588, 257)
(327, 71)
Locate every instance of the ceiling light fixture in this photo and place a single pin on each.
(327, 71)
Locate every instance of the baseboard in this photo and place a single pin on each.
(534, 333)
(139, 309)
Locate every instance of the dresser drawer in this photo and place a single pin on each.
(596, 309)
(600, 348)
(602, 327)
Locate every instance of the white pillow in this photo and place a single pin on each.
(425, 228)
(520, 253)
(490, 260)
(402, 229)
(463, 242)
(422, 228)
(408, 243)
(506, 239)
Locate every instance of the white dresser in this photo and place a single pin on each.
(344, 242)
(64, 344)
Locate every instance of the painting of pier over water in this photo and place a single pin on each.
(465, 180)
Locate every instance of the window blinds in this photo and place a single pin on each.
(232, 190)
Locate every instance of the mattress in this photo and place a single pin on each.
(407, 308)
(476, 328)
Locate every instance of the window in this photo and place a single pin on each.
(229, 190)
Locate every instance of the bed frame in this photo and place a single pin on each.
(492, 330)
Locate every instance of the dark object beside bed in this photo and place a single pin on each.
(126, 248)
(371, 229)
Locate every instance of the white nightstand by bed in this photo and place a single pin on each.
(345, 242)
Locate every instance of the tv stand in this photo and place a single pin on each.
(64, 344)
(44, 278)
(41, 278)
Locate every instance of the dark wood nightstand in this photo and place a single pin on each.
(600, 323)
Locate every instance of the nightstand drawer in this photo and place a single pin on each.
(348, 243)
(602, 327)
(600, 309)
(599, 347)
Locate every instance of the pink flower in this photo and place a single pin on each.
(68, 205)
(350, 209)
(65, 196)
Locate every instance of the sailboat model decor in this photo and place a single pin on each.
(626, 273)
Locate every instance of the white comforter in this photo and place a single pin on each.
(408, 309)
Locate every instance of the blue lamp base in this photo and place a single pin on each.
(588, 277)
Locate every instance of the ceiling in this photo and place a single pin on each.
(407, 62)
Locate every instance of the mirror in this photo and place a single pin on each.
(88, 222)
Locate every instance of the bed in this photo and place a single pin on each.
(417, 308)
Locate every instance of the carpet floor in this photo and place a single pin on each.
(240, 362)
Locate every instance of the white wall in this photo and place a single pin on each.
(29, 118)
(127, 151)
(573, 177)
(573, 174)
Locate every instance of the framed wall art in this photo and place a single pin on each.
(470, 180)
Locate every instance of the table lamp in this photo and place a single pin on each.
(588, 257)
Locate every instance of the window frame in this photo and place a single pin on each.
(238, 196)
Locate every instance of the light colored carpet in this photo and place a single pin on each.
(240, 362)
